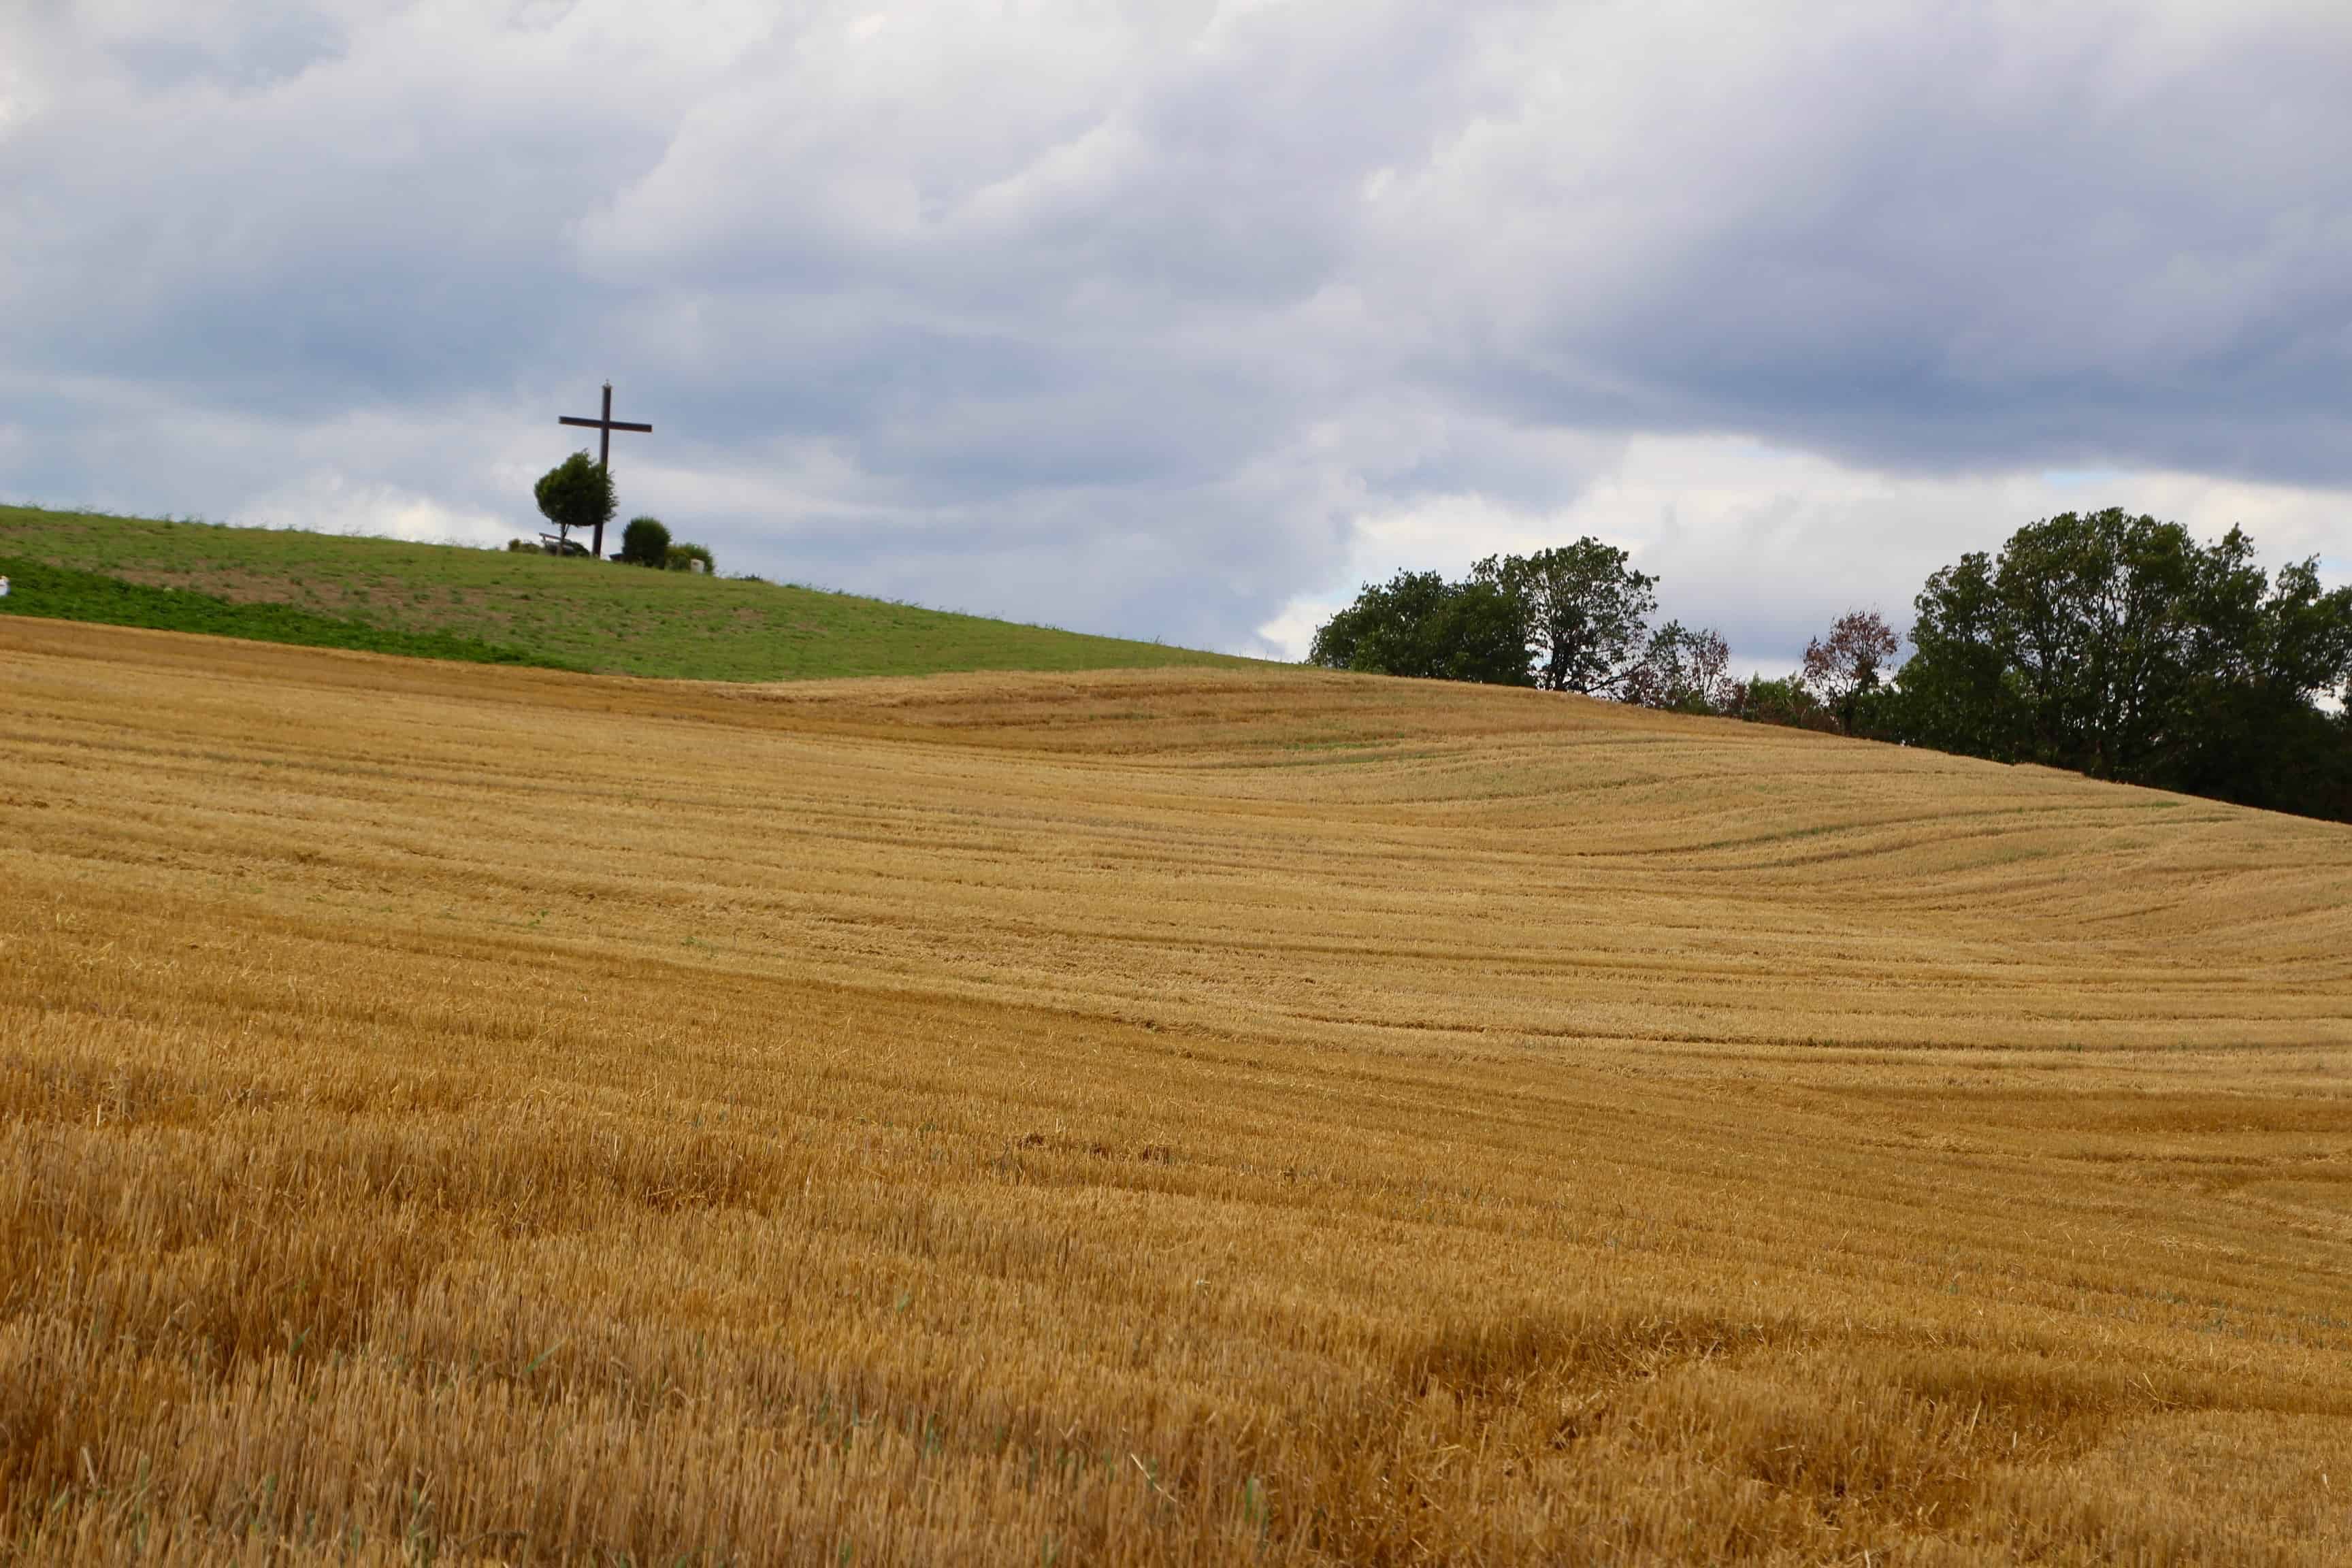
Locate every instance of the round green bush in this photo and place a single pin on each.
(645, 543)
(575, 493)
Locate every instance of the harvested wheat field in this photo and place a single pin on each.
(473, 1115)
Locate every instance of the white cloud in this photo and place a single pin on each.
(1771, 544)
(1170, 319)
(327, 501)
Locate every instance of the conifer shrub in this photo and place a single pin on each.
(646, 542)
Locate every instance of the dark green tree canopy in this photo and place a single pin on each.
(1570, 618)
(575, 493)
(2120, 647)
(1586, 610)
(1418, 624)
(646, 542)
(1760, 700)
(2113, 644)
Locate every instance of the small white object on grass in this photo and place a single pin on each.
(4, 588)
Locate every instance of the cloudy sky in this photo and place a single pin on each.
(1183, 319)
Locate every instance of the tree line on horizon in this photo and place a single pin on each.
(2113, 646)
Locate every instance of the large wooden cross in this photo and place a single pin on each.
(606, 426)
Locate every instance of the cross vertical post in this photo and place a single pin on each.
(603, 464)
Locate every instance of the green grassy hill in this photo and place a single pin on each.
(445, 601)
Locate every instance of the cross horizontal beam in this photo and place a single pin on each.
(602, 423)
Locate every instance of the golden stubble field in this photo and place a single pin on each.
(474, 1115)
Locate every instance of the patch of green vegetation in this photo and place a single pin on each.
(63, 593)
(544, 609)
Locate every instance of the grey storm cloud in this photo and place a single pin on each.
(1128, 317)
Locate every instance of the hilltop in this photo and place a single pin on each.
(1148, 1116)
(448, 601)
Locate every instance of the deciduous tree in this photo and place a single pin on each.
(1843, 668)
(1418, 624)
(2120, 647)
(1760, 700)
(575, 493)
(1586, 611)
(1686, 669)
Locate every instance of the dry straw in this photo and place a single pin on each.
(478, 1115)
